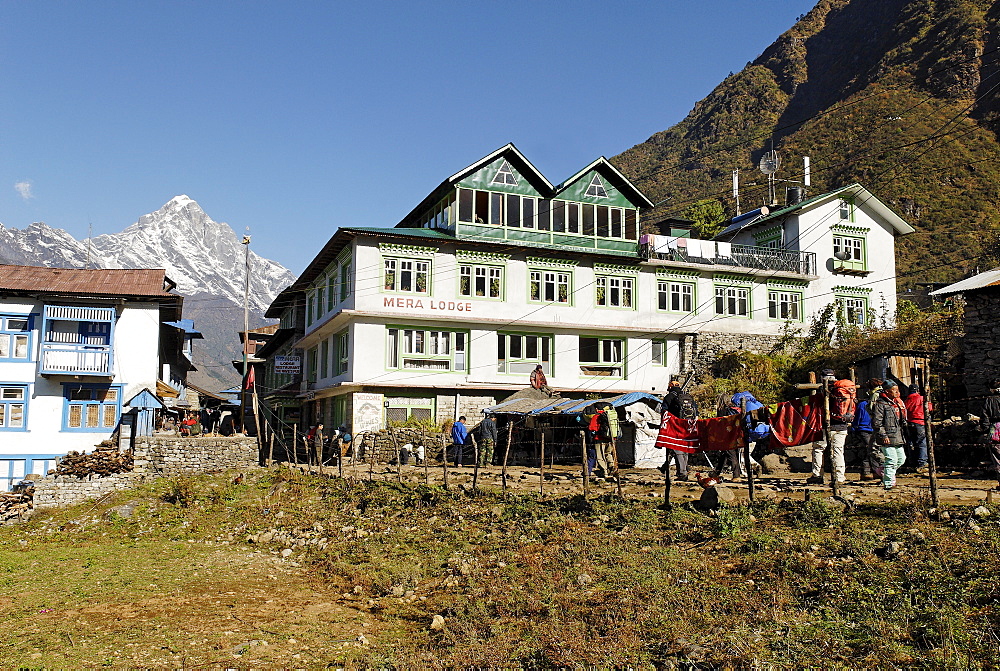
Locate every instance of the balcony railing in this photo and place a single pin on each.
(722, 256)
(63, 359)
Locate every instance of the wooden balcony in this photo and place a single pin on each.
(64, 359)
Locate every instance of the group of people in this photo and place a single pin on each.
(320, 441)
(206, 422)
(486, 445)
(887, 429)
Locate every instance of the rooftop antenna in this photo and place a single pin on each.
(736, 190)
(769, 164)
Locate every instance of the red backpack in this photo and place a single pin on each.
(843, 401)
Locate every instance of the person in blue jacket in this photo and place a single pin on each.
(871, 453)
(459, 436)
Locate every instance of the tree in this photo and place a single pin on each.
(707, 216)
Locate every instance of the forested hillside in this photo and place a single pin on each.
(899, 95)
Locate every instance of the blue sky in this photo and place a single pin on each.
(294, 118)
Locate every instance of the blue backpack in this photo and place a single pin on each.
(752, 403)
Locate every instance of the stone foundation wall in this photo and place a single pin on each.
(173, 455)
(700, 349)
(981, 344)
(470, 406)
(65, 490)
(157, 456)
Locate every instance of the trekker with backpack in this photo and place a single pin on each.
(603, 436)
(680, 404)
(990, 422)
(843, 404)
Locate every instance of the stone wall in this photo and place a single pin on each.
(470, 406)
(158, 456)
(173, 455)
(700, 350)
(981, 344)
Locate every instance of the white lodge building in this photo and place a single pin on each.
(498, 270)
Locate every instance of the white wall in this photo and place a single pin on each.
(136, 342)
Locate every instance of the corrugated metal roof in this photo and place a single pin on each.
(855, 189)
(566, 406)
(990, 278)
(103, 281)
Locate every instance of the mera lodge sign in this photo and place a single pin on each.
(426, 304)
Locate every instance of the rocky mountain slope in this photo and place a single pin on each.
(899, 95)
(204, 257)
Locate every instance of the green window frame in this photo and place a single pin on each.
(324, 359)
(615, 291)
(658, 352)
(345, 279)
(733, 300)
(310, 308)
(406, 276)
(481, 281)
(550, 285)
(342, 357)
(853, 309)
(846, 209)
(311, 361)
(331, 288)
(429, 349)
(855, 247)
(519, 353)
(784, 305)
(604, 357)
(676, 296)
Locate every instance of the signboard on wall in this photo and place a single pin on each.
(287, 365)
(367, 413)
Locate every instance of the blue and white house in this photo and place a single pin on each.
(75, 345)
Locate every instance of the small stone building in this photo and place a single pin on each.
(981, 343)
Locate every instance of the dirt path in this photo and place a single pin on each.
(953, 487)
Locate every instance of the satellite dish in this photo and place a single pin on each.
(841, 256)
(769, 163)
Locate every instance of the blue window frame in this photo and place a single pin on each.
(13, 407)
(91, 407)
(15, 337)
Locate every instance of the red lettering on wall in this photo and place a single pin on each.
(388, 302)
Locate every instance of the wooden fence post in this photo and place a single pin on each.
(444, 460)
(506, 453)
(541, 467)
(931, 461)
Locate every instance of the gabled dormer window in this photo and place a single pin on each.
(505, 175)
(596, 188)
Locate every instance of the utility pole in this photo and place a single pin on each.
(246, 331)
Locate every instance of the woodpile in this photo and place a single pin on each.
(15, 505)
(102, 461)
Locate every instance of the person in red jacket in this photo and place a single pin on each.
(916, 428)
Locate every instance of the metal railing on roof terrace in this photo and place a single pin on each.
(724, 255)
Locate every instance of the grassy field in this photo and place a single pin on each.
(291, 570)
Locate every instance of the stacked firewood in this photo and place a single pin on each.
(102, 461)
(15, 505)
